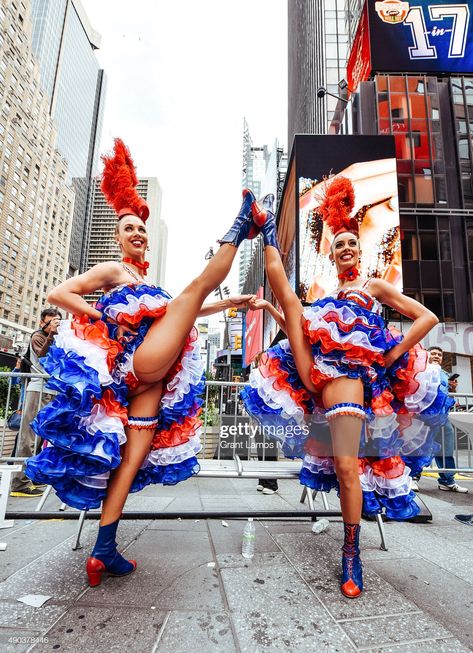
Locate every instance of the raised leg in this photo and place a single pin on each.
(292, 309)
(167, 336)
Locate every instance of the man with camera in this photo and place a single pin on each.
(35, 398)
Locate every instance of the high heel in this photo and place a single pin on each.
(105, 557)
(268, 229)
(260, 210)
(243, 226)
(352, 569)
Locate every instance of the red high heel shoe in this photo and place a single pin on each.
(95, 569)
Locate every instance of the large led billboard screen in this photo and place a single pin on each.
(424, 36)
(369, 161)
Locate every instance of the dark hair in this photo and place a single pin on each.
(50, 312)
(435, 347)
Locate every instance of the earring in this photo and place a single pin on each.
(148, 249)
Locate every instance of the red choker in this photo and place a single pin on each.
(141, 266)
(350, 274)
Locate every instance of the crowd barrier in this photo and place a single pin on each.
(226, 453)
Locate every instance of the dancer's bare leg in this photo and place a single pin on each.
(145, 403)
(166, 336)
(345, 431)
(292, 309)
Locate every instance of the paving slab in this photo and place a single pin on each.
(60, 572)
(444, 598)
(20, 616)
(401, 629)
(205, 632)
(228, 539)
(26, 546)
(172, 574)
(104, 629)
(318, 560)
(450, 645)
(273, 610)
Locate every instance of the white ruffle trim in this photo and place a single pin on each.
(174, 455)
(135, 305)
(315, 316)
(189, 375)
(387, 487)
(315, 464)
(426, 393)
(95, 357)
(98, 420)
(276, 399)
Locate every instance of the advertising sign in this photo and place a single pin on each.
(359, 62)
(369, 162)
(253, 340)
(422, 36)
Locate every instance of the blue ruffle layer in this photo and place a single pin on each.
(75, 452)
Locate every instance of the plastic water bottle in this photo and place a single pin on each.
(320, 525)
(249, 537)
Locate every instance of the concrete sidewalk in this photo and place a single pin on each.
(194, 591)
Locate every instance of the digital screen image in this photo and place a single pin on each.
(370, 163)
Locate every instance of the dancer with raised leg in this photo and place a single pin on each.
(128, 373)
(341, 361)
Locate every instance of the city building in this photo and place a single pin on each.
(102, 245)
(64, 44)
(430, 116)
(36, 202)
(318, 35)
(263, 172)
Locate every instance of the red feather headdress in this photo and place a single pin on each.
(119, 183)
(337, 203)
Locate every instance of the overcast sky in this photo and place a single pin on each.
(180, 78)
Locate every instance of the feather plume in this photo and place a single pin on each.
(337, 203)
(119, 182)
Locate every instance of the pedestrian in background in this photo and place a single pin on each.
(445, 437)
(34, 398)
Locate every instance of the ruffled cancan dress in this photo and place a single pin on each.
(404, 405)
(92, 372)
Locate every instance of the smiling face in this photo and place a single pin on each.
(345, 251)
(132, 237)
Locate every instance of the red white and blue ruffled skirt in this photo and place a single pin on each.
(404, 405)
(92, 372)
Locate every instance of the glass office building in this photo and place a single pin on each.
(64, 44)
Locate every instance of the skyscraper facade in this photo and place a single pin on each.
(64, 44)
(255, 161)
(102, 233)
(36, 203)
(318, 46)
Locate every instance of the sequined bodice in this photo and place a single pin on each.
(362, 297)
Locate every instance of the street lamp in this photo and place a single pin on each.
(322, 92)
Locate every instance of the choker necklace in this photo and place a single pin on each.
(141, 266)
(350, 274)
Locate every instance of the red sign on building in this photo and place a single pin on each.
(359, 61)
(253, 333)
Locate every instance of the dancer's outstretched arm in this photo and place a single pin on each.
(256, 304)
(224, 304)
